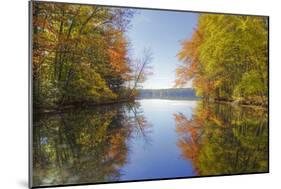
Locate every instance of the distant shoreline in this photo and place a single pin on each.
(167, 98)
(171, 93)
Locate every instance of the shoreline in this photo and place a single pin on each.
(85, 104)
(241, 104)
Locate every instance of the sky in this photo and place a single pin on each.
(161, 32)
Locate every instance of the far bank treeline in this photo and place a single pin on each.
(81, 54)
(227, 59)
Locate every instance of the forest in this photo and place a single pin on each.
(172, 93)
(227, 59)
(81, 54)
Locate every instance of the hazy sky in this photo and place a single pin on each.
(162, 32)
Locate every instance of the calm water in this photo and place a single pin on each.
(149, 139)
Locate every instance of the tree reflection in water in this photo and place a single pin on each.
(94, 144)
(224, 139)
(85, 145)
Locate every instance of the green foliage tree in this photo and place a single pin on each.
(227, 58)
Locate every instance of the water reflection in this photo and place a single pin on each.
(224, 139)
(84, 146)
(148, 139)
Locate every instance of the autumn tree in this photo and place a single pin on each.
(227, 58)
(80, 54)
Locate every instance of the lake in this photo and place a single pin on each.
(148, 139)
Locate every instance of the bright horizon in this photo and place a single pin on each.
(162, 32)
